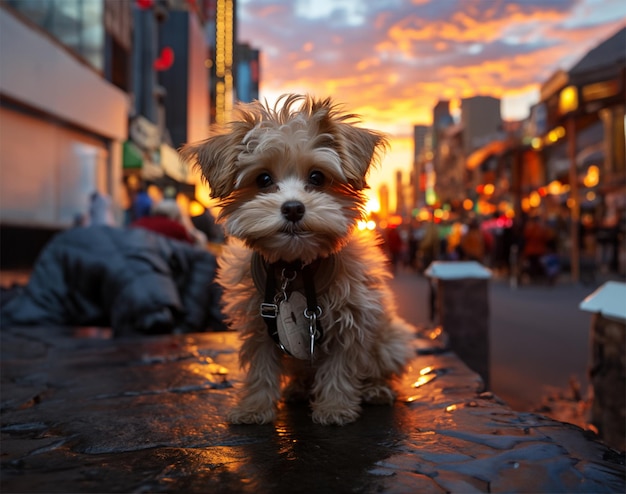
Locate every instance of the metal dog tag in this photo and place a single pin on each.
(293, 326)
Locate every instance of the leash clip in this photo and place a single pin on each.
(269, 311)
(312, 316)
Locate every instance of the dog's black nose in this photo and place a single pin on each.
(292, 210)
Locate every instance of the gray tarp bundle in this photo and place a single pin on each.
(129, 279)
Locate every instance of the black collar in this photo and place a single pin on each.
(300, 276)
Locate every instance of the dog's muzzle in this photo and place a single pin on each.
(293, 211)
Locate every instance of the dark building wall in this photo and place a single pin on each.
(174, 33)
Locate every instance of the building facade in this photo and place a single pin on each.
(63, 112)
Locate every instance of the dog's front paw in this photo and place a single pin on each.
(378, 394)
(240, 415)
(335, 416)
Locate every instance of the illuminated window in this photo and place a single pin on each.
(77, 24)
(224, 45)
(600, 90)
(568, 100)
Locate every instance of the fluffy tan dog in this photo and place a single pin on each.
(299, 278)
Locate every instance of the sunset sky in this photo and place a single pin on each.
(391, 60)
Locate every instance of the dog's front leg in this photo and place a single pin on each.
(261, 387)
(337, 391)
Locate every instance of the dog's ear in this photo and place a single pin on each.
(359, 149)
(217, 157)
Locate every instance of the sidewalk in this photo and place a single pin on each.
(85, 413)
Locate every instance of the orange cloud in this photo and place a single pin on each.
(304, 64)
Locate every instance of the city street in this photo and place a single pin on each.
(539, 337)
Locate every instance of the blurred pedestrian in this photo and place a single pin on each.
(414, 239)
(100, 210)
(142, 203)
(166, 219)
(453, 242)
(536, 237)
(472, 244)
(429, 246)
(394, 244)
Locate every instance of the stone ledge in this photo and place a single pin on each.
(147, 415)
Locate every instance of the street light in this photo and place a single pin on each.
(592, 177)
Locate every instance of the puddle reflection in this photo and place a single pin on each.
(92, 333)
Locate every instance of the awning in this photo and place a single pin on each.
(479, 156)
(132, 157)
(174, 166)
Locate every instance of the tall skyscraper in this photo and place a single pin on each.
(248, 73)
(441, 120)
(383, 197)
(419, 140)
(400, 201)
(420, 136)
(481, 121)
(222, 29)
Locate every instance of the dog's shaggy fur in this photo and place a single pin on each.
(290, 181)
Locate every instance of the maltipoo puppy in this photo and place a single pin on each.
(307, 290)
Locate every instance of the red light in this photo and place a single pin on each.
(395, 220)
(165, 60)
(144, 4)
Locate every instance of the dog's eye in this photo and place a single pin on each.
(264, 180)
(317, 178)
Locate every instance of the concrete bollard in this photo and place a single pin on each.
(462, 306)
(607, 370)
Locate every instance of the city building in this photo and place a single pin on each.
(186, 83)
(222, 37)
(481, 122)
(109, 90)
(248, 73)
(64, 106)
(421, 146)
(566, 161)
(442, 119)
(450, 165)
(383, 197)
(401, 207)
(170, 95)
(581, 149)
(184, 95)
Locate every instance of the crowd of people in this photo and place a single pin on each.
(159, 211)
(531, 248)
(527, 248)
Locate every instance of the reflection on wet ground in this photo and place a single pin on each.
(85, 413)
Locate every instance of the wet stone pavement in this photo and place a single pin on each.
(85, 413)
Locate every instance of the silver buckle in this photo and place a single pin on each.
(269, 311)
